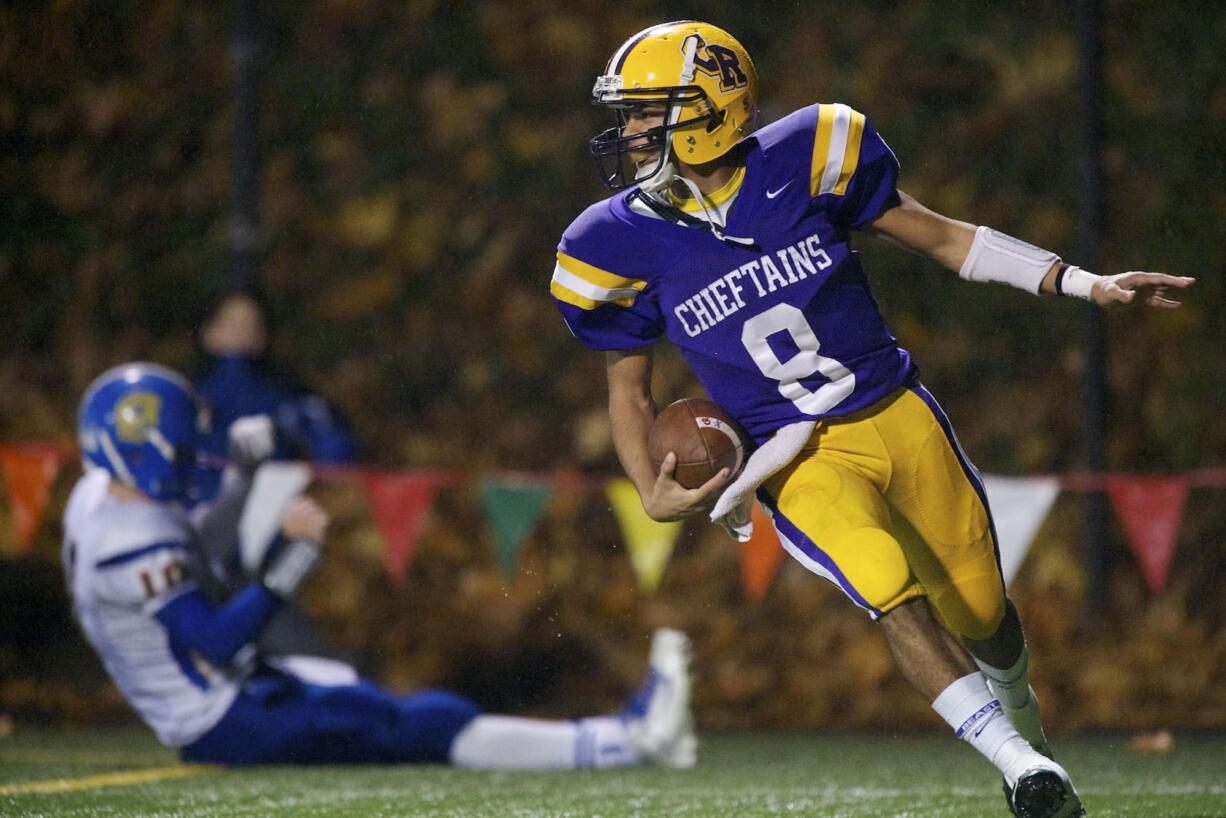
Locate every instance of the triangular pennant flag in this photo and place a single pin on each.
(400, 502)
(650, 543)
(1019, 507)
(29, 471)
(1150, 509)
(512, 507)
(760, 555)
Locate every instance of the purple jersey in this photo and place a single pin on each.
(783, 331)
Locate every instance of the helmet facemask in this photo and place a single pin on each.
(614, 151)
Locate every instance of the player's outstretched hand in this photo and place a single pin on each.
(305, 520)
(1143, 289)
(670, 500)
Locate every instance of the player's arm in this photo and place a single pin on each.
(631, 413)
(160, 579)
(983, 254)
(218, 632)
(914, 227)
(194, 624)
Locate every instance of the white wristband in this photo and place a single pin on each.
(1075, 282)
(995, 256)
(290, 567)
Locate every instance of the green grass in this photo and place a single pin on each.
(739, 775)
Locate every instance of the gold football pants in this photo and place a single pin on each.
(884, 504)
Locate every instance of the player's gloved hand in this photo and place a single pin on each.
(252, 440)
(669, 500)
(1148, 289)
(291, 561)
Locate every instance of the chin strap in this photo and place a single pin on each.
(666, 211)
(662, 179)
(676, 215)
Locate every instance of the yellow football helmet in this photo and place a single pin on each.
(701, 76)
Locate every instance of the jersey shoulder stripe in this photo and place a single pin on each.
(137, 553)
(587, 286)
(836, 149)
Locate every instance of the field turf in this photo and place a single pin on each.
(125, 773)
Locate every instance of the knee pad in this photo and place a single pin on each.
(971, 609)
(874, 564)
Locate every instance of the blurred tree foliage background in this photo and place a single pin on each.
(420, 160)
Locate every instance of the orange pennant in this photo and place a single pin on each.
(1151, 509)
(760, 555)
(29, 471)
(400, 502)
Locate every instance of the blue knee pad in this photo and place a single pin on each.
(430, 721)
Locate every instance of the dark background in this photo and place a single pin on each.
(418, 162)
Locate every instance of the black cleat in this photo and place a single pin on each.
(1043, 793)
(1004, 784)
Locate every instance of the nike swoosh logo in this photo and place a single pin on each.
(770, 194)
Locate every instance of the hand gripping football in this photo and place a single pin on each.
(704, 438)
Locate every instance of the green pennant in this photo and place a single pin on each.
(512, 507)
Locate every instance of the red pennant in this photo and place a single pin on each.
(400, 502)
(29, 471)
(760, 556)
(1151, 509)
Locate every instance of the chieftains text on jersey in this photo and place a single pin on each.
(726, 295)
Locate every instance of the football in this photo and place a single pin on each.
(704, 438)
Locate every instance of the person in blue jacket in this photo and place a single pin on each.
(238, 381)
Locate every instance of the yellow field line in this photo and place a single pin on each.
(120, 779)
(80, 757)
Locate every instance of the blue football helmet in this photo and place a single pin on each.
(141, 422)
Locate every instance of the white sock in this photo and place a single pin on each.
(509, 742)
(1012, 686)
(977, 718)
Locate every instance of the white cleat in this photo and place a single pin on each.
(1044, 792)
(658, 718)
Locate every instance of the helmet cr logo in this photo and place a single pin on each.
(135, 415)
(721, 63)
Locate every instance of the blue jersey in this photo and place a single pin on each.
(778, 332)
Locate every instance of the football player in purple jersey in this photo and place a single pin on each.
(734, 243)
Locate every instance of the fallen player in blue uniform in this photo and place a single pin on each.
(188, 664)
